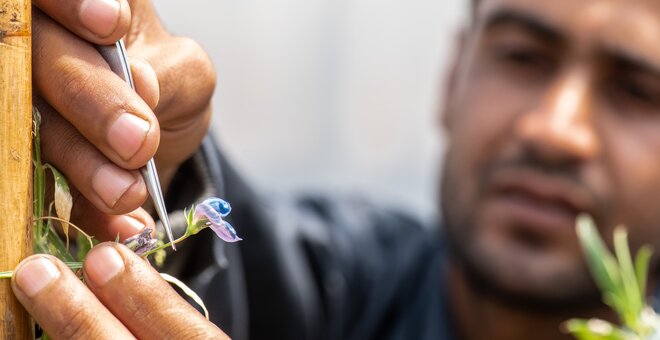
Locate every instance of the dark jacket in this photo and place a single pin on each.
(314, 268)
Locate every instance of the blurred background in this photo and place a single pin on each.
(329, 96)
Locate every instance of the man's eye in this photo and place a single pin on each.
(524, 63)
(635, 90)
(524, 57)
(632, 92)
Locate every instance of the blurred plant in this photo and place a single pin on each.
(623, 287)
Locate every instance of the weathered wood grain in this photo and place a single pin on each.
(15, 158)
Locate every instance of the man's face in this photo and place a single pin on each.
(553, 110)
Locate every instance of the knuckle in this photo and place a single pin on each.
(73, 86)
(63, 147)
(137, 312)
(71, 146)
(77, 325)
(201, 77)
(200, 61)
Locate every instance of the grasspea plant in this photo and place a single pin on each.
(209, 214)
(623, 286)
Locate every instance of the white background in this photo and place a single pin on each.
(328, 95)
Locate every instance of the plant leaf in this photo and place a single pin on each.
(633, 297)
(39, 184)
(642, 267)
(84, 246)
(600, 260)
(602, 264)
(73, 265)
(57, 248)
(63, 200)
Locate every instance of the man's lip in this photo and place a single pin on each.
(538, 200)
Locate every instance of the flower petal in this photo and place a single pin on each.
(210, 213)
(221, 206)
(207, 212)
(225, 231)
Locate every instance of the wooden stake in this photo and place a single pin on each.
(15, 158)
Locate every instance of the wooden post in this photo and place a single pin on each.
(15, 158)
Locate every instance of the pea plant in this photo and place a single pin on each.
(49, 239)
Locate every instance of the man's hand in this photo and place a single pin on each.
(95, 129)
(124, 298)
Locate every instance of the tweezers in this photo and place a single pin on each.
(116, 57)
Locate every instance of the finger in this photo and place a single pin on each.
(187, 78)
(111, 189)
(136, 294)
(97, 21)
(73, 78)
(104, 227)
(60, 302)
(186, 82)
(145, 81)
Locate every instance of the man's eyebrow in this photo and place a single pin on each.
(526, 21)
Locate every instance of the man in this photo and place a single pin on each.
(552, 109)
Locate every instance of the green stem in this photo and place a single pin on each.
(89, 238)
(168, 244)
(72, 265)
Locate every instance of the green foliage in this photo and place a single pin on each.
(193, 227)
(623, 286)
(48, 241)
(160, 255)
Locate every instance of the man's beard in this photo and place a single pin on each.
(481, 275)
(485, 268)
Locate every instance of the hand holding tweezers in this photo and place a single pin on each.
(116, 57)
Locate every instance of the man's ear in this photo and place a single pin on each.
(451, 80)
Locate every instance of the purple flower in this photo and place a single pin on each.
(210, 213)
(142, 242)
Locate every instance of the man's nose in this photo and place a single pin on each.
(561, 127)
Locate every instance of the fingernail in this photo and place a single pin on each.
(36, 274)
(127, 134)
(131, 226)
(111, 182)
(100, 16)
(102, 264)
(133, 223)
